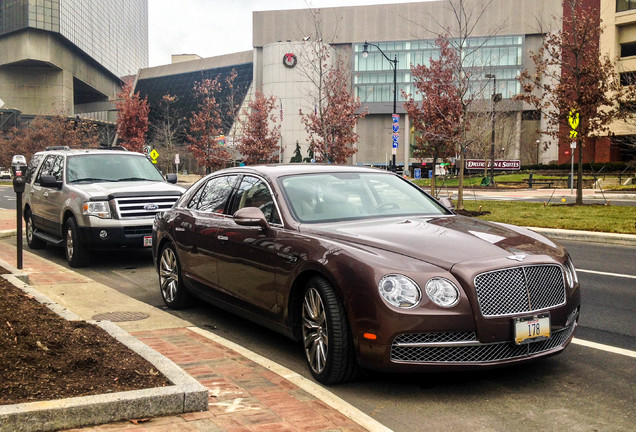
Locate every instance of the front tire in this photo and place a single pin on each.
(171, 285)
(32, 241)
(77, 254)
(326, 335)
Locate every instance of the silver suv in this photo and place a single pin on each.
(93, 199)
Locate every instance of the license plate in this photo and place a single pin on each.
(147, 241)
(532, 329)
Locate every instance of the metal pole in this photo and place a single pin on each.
(492, 133)
(395, 61)
(18, 196)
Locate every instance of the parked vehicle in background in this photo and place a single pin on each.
(86, 199)
(366, 269)
(5, 174)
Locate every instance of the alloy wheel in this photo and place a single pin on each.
(169, 275)
(315, 329)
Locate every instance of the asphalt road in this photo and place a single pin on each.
(583, 389)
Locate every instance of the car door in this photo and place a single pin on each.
(46, 202)
(247, 256)
(195, 229)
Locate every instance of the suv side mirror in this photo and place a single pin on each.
(50, 181)
(171, 178)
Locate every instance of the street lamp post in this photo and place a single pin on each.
(496, 97)
(394, 63)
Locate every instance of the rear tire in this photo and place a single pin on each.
(76, 253)
(32, 241)
(173, 292)
(326, 335)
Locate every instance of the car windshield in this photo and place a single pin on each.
(316, 198)
(110, 167)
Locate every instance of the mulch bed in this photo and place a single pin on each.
(45, 357)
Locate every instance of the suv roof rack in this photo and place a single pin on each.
(58, 148)
(68, 148)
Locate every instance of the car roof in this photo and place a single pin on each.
(77, 151)
(281, 170)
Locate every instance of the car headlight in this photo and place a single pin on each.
(101, 209)
(570, 273)
(399, 291)
(442, 292)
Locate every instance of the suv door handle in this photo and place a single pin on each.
(45, 194)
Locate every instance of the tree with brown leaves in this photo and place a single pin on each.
(331, 126)
(43, 132)
(132, 118)
(573, 79)
(260, 136)
(206, 128)
(437, 117)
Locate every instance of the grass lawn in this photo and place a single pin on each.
(615, 219)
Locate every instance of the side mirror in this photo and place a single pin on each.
(447, 202)
(171, 178)
(50, 181)
(250, 216)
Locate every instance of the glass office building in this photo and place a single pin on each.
(114, 33)
(500, 56)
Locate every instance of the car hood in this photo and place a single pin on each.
(108, 190)
(443, 241)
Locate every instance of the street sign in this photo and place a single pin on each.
(176, 159)
(573, 145)
(154, 154)
(146, 150)
(417, 173)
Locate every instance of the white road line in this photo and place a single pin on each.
(607, 274)
(607, 348)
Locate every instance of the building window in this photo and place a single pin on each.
(623, 5)
(628, 78)
(628, 49)
(501, 56)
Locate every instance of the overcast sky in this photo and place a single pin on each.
(214, 27)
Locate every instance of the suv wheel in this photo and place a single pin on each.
(76, 253)
(32, 241)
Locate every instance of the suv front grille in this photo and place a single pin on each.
(143, 207)
(520, 290)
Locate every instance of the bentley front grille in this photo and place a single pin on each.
(460, 348)
(520, 290)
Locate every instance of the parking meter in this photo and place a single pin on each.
(18, 168)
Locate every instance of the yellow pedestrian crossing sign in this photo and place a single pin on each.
(573, 120)
(154, 154)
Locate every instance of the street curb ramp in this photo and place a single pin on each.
(185, 395)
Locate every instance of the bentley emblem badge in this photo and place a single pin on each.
(517, 257)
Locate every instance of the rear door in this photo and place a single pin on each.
(46, 202)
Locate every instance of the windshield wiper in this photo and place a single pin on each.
(132, 179)
(89, 179)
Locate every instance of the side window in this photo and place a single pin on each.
(58, 168)
(213, 195)
(47, 167)
(33, 165)
(254, 192)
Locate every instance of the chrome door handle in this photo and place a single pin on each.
(222, 238)
(179, 229)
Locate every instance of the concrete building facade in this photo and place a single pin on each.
(68, 56)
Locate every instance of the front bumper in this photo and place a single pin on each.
(116, 236)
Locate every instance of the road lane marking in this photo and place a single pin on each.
(607, 274)
(607, 348)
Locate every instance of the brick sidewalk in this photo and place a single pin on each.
(243, 396)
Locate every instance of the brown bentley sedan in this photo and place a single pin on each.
(366, 269)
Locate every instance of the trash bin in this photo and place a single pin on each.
(485, 181)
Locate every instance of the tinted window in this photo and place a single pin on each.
(52, 165)
(213, 196)
(110, 167)
(33, 165)
(254, 192)
(324, 197)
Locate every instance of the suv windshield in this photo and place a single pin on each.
(110, 167)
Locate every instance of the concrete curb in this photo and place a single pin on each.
(185, 395)
(588, 236)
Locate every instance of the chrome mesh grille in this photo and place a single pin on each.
(143, 207)
(445, 337)
(477, 353)
(520, 290)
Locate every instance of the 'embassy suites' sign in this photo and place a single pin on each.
(499, 164)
